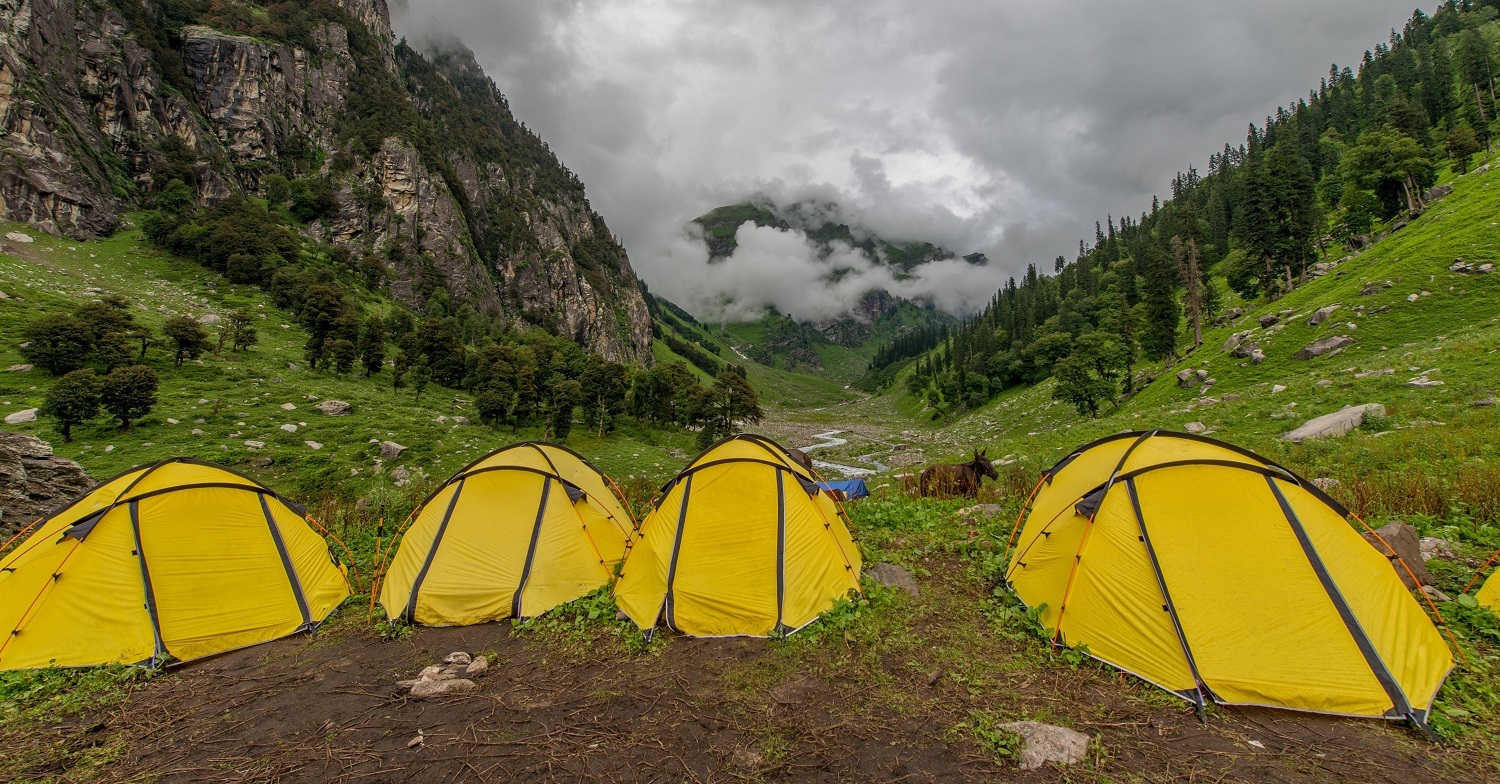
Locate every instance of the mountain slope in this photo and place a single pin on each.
(414, 165)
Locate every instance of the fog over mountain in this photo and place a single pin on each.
(1003, 128)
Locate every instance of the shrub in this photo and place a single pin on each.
(73, 400)
(129, 393)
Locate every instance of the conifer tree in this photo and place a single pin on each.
(1159, 302)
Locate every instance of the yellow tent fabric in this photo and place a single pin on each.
(172, 561)
(742, 542)
(1489, 593)
(1216, 574)
(516, 533)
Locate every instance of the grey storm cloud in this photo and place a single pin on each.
(1006, 128)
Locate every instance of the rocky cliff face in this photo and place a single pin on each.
(431, 175)
(33, 481)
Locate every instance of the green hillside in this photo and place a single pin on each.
(239, 396)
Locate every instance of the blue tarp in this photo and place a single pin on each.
(851, 488)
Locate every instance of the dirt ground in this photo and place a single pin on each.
(850, 708)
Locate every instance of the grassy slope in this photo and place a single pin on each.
(250, 387)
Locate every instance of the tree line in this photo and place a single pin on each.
(1360, 150)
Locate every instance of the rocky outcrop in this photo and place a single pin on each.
(95, 108)
(33, 481)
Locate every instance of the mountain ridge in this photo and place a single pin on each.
(424, 169)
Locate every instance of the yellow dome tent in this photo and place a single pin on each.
(1489, 594)
(516, 533)
(742, 542)
(1216, 574)
(172, 561)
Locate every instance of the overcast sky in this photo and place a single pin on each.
(1007, 128)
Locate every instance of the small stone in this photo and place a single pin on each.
(290, 428)
(256, 444)
(1435, 595)
(477, 667)
(427, 689)
(20, 368)
(391, 450)
(895, 577)
(1323, 383)
(171, 421)
(209, 319)
(458, 657)
(1321, 315)
(313, 445)
(1257, 356)
(110, 448)
(458, 420)
(333, 407)
(288, 407)
(21, 237)
(1268, 320)
(1044, 743)
(21, 417)
(1325, 346)
(197, 432)
(1411, 298)
(1325, 483)
(1230, 398)
(442, 420)
(1422, 383)
(1433, 547)
(401, 477)
(1484, 402)
(1277, 389)
(1194, 427)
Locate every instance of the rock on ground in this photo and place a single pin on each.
(894, 576)
(33, 481)
(1336, 424)
(1434, 547)
(334, 407)
(21, 417)
(390, 450)
(1398, 542)
(1044, 743)
(1194, 427)
(1325, 346)
(427, 689)
(1321, 315)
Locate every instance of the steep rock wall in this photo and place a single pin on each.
(89, 129)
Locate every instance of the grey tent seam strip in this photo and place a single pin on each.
(1166, 595)
(437, 539)
(668, 602)
(1346, 614)
(536, 535)
(286, 564)
(140, 552)
(780, 550)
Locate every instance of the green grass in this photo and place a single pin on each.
(238, 396)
